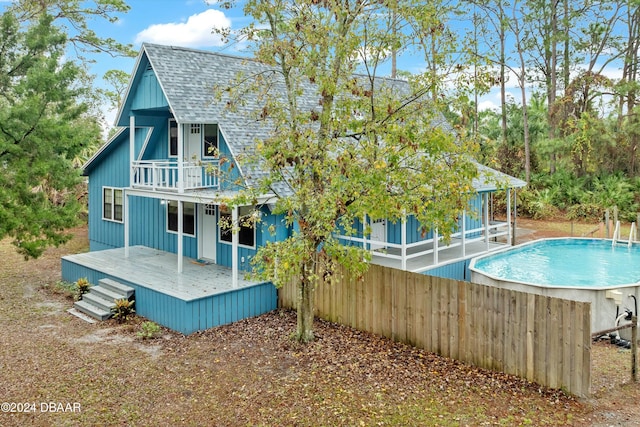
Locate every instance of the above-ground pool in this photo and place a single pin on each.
(591, 270)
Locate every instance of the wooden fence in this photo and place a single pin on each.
(543, 339)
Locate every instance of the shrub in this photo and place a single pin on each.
(67, 289)
(148, 330)
(585, 211)
(537, 204)
(123, 309)
(82, 287)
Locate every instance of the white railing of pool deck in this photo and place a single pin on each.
(478, 233)
(163, 175)
(632, 234)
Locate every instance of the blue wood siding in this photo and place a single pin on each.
(263, 235)
(158, 148)
(148, 93)
(457, 271)
(474, 215)
(140, 137)
(414, 231)
(277, 223)
(230, 175)
(188, 316)
(148, 219)
(111, 173)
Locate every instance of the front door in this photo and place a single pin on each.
(193, 169)
(209, 233)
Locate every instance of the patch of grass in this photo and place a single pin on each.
(62, 287)
(148, 330)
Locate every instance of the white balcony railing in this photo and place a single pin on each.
(430, 252)
(165, 175)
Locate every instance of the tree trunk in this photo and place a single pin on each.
(632, 61)
(503, 86)
(306, 292)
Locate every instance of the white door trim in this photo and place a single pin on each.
(208, 235)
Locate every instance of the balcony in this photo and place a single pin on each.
(165, 175)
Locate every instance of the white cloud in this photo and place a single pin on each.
(195, 32)
(488, 105)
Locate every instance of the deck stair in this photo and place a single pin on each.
(100, 299)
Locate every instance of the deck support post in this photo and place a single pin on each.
(125, 220)
(487, 230)
(180, 158)
(180, 234)
(403, 241)
(509, 216)
(132, 148)
(514, 229)
(364, 232)
(234, 245)
(634, 348)
(435, 246)
(464, 233)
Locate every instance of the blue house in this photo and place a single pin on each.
(156, 202)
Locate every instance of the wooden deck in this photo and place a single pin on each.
(159, 270)
(201, 297)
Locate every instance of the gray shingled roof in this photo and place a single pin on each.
(188, 76)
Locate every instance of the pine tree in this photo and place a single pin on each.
(43, 126)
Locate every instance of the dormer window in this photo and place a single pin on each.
(210, 147)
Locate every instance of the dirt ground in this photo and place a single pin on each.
(56, 369)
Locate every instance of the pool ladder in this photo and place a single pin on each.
(633, 234)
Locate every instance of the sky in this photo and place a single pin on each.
(189, 23)
(186, 23)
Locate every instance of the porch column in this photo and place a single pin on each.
(508, 216)
(464, 233)
(485, 205)
(125, 220)
(180, 158)
(403, 241)
(180, 233)
(132, 148)
(435, 246)
(234, 246)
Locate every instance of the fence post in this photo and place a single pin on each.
(634, 348)
(606, 223)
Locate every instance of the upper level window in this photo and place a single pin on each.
(188, 217)
(173, 138)
(112, 204)
(210, 148)
(247, 227)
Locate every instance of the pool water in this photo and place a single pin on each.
(584, 263)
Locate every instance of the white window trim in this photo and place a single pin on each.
(113, 204)
(231, 243)
(195, 218)
(169, 155)
(205, 155)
